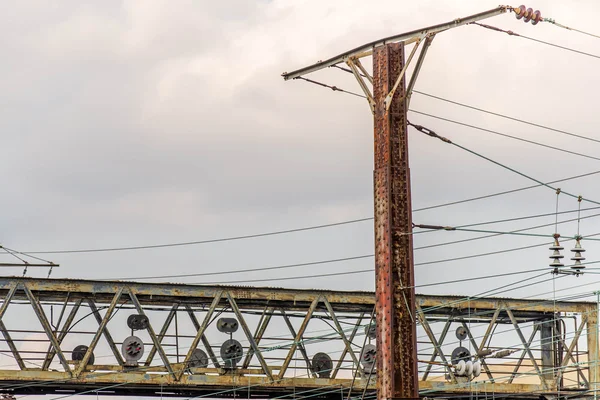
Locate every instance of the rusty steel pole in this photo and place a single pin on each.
(397, 375)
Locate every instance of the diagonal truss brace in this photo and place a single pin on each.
(39, 312)
(435, 350)
(162, 333)
(258, 335)
(417, 69)
(152, 334)
(248, 334)
(107, 335)
(569, 354)
(61, 336)
(88, 354)
(523, 353)
(5, 333)
(351, 338)
(436, 345)
(342, 334)
(527, 347)
(300, 345)
(352, 63)
(476, 348)
(200, 329)
(298, 337)
(388, 99)
(205, 341)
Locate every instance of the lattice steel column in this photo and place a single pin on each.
(397, 375)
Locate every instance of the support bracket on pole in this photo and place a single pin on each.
(388, 99)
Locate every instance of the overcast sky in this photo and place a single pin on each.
(139, 123)
(148, 122)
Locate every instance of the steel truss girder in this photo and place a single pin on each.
(275, 306)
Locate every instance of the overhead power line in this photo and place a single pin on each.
(337, 260)
(431, 133)
(239, 271)
(552, 21)
(506, 135)
(196, 242)
(506, 116)
(273, 233)
(511, 33)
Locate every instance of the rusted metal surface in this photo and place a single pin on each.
(397, 373)
(260, 331)
(437, 348)
(162, 333)
(344, 329)
(300, 345)
(39, 312)
(200, 333)
(527, 347)
(592, 343)
(249, 336)
(407, 37)
(298, 337)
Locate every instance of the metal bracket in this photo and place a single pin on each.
(352, 63)
(388, 99)
(418, 65)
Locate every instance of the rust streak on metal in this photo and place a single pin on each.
(397, 375)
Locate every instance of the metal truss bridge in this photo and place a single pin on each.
(64, 337)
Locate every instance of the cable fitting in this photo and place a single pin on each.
(429, 132)
(436, 227)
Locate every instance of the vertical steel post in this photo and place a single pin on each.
(592, 347)
(547, 350)
(397, 375)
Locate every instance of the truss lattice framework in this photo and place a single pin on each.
(43, 320)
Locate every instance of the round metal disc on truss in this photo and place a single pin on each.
(199, 359)
(368, 356)
(227, 325)
(231, 352)
(79, 352)
(371, 331)
(460, 353)
(137, 322)
(132, 349)
(461, 333)
(322, 365)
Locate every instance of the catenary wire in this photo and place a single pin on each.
(552, 21)
(226, 239)
(431, 133)
(506, 116)
(506, 135)
(136, 278)
(511, 33)
(494, 233)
